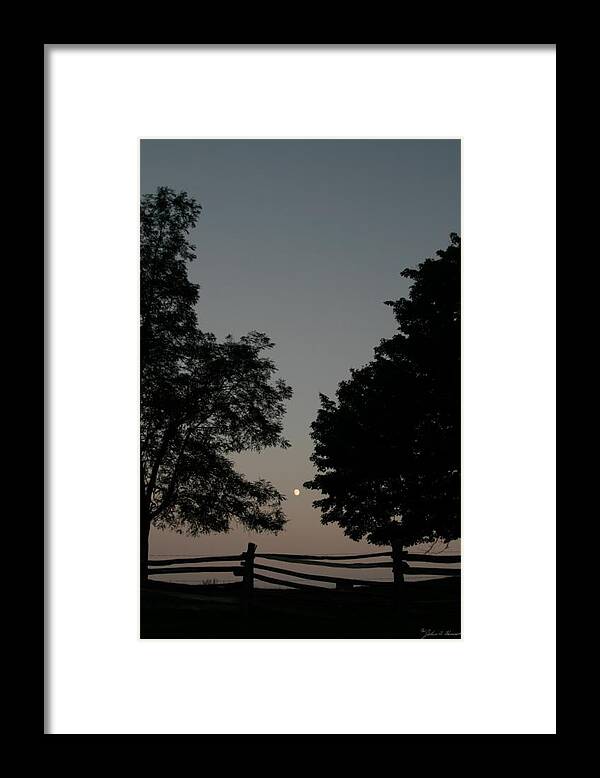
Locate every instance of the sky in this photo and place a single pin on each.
(304, 240)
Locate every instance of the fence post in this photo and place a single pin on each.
(248, 565)
(398, 570)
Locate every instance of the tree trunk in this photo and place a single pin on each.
(397, 544)
(144, 543)
(145, 523)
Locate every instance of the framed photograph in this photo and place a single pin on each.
(289, 420)
(300, 468)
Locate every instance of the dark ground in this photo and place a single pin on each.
(431, 610)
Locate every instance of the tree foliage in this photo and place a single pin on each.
(201, 400)
(387, 450)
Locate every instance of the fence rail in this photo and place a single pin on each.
(330, 564)
(247, 567)
(192, 560)
(291, 557)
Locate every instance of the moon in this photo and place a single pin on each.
(296, 492)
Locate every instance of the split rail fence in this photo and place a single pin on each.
(251, 567)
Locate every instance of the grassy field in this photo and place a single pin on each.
(431, 609)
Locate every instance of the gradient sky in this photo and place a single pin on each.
(304, 240)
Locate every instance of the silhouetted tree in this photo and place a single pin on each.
(201, 400)
(387, 452)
